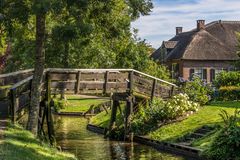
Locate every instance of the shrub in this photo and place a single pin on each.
(198, 91)
(151, 116)
(227, 143)
(180, 104)
(58, 105)
(229, 93)
(227, 79)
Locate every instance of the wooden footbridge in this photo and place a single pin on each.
(121, 83)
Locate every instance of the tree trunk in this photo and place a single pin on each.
(38, 73)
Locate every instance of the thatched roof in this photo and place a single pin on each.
(169, 44)
(218, 41)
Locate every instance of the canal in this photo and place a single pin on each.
(72, 136)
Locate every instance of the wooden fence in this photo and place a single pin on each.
(19, 98)
(9, 86)
(103, 81)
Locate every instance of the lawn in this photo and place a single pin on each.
(5, 87)
(21, 144)
(102, 119)
(208, 115)
(75, 103)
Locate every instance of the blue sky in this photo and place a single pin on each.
(168, 14)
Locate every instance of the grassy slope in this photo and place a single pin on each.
(77, 104)
(102, 119)
(21, 144)
(208, 115)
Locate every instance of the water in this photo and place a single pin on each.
(72, 136)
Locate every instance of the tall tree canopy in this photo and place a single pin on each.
(73, 34)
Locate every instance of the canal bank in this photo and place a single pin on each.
(73, 137)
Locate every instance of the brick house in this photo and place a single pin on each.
(204, 51)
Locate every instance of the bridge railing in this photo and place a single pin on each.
(102, 81)
(14, 77)
(19, 98)
(83, 81)
(7, 81)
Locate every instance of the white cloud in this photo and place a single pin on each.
(160, 24)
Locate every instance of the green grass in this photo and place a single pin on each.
(208, 115)
(77, 104)
(21, 144)
(102, 119)
(5, 87)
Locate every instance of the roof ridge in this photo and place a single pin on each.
(211, 23)
(207, 25)
(218, 21)
(233, 22)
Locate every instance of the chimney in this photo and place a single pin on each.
(200, 24)
(179, 30)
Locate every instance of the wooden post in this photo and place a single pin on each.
(78, 83)
(128, 113)
(171, 92)
(48, 110)
(48, 88)
(14, 104)
(113, 115)
(130, 83)
(105, 82)
(153, 89)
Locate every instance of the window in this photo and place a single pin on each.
(217, 71)
(175, 70)
(214, 73)
(199, 72)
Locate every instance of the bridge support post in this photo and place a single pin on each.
(153, 89)
(128, 113)
(14, 104)
(105, 82)
(49, 105)
(113, 115)
(78, 83)
(130, 83)
(171, 91)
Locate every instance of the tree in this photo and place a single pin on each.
(40, 13)
(93, 33)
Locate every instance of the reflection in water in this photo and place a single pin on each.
(72, 136)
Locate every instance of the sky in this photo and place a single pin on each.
(168, 14)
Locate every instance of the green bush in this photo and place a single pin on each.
(227, 79)
(151, 116)
(197, 91)
(229, 93)
(227, 143)
(58, 105)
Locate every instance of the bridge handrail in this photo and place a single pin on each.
(21, 82)
(109, 70)
(88, 70)
(158, 79)
(15, 73)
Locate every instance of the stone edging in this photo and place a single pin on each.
(96, 129)
(163, 146)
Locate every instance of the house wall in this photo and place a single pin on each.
(208, 65)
